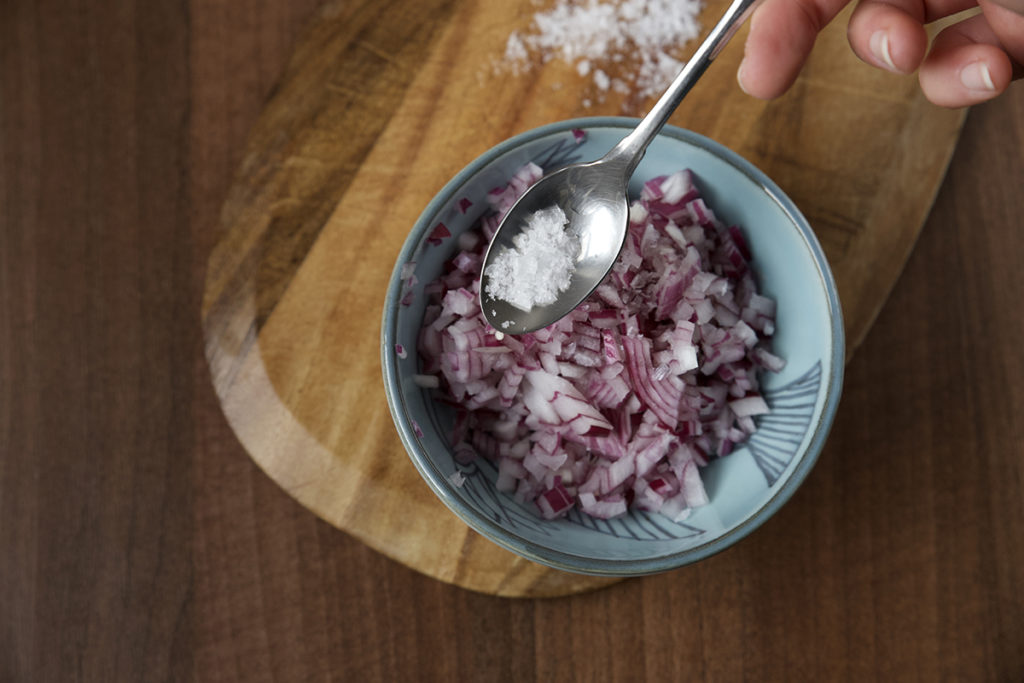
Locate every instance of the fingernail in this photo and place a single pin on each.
(879, 45)
(975, 76)
(739, 75)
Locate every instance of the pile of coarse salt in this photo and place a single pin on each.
(635, 38)
(541, 265)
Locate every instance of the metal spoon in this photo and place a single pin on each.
(593, 197)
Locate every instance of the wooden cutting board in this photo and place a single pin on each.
(382, 103)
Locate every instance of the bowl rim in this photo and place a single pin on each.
(571, 562)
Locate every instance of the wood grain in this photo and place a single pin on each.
(102, 381)
(379, 107)
(93, 335)
(138, 540)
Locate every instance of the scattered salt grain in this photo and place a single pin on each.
(515, 49)
(541, 265)
(641, 39)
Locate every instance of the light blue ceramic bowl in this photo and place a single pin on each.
(747, 486)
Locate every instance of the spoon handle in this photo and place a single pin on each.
(631, 148)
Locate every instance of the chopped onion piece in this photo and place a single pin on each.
(427, 381)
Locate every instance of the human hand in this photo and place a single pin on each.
(970, 61)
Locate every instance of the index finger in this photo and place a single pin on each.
(782, 33)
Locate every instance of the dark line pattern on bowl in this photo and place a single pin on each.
(558, 154)
(780, 432)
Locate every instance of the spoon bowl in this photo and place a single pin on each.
(594, 201)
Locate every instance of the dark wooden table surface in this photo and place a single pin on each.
(139, 542)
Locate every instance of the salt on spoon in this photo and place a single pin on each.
(540, 265)
(593, 198)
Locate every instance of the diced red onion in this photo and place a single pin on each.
(438, 234)
(749, 406)
(409, 280)
(622, 401)
(427, 381)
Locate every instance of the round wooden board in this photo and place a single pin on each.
(381, 104)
